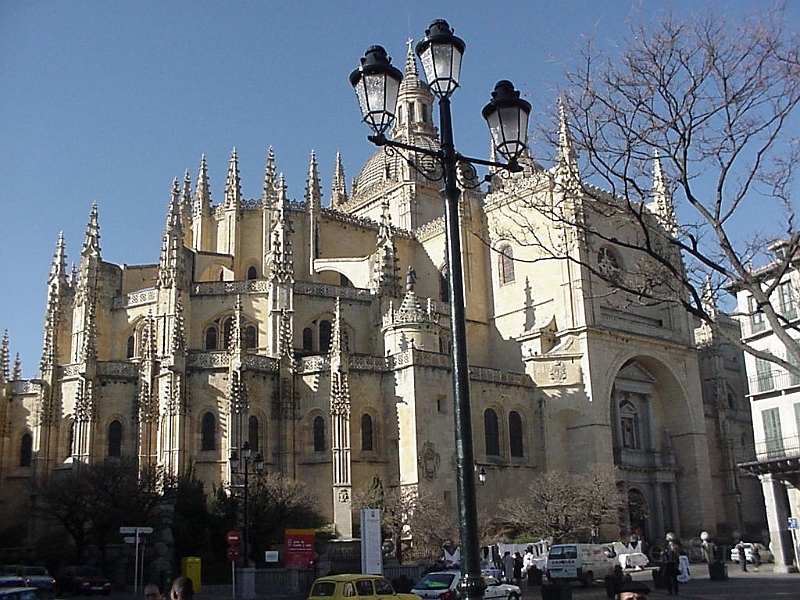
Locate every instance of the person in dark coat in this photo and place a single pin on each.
(670, 571)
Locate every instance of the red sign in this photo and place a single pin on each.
(299, 547)
(233, 554)
(232, 537)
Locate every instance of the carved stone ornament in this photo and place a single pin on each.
(429, 461)
(344, 496)
(558, 372)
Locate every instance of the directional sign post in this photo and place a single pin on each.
(139, 534)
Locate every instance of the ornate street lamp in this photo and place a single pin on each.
(377, 84)
(258, 466)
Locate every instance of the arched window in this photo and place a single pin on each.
(115, 438)
(319, 434)
(515, 435)
(252, 434)
(629, 425)
(130, 346)
(250, 336)
(444, 287)
(366, 433)
(26, 450)
(71, 439)
(492, 432)
(209, 432)
(308, 340)
(211, 338)
(252, 273)
(506, 266)
(324, 335)
(227, 327)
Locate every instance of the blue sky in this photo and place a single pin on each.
(108, 102)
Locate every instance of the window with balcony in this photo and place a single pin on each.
(773, 438)
(764, 377)
(787, 300)
(756, 316)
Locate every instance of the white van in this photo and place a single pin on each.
(580, 562)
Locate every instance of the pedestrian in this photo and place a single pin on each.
(182, 589)
(508, 566)
(632, 590)
(683, 567)
(756, 557)
(669, 571)
(517, 568)
(742, 555)
(152, 591)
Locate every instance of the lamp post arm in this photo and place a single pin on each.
(382, 140)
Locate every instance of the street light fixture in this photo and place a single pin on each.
(377, 85)
(258, 466)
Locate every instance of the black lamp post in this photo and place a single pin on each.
(377, 84)
(258, 466)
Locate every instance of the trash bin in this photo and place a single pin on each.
(534, 576)
(190, 567)
(717, 571)
(556, 591)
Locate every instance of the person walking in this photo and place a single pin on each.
(669, 571)
(742, 556)
(756, 557)
(508, 567)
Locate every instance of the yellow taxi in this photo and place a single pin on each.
(338, 587)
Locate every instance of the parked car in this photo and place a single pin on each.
(764, 553)
(350, 586)
(10, 577)
(82, 580)
(22, 593)
(444, 585)
(38, 577)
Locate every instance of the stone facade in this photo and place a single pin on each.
(320, 335)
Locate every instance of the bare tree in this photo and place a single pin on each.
(416, 521)
(564, 506)
(670, 145)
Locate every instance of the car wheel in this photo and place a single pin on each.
(513, 596)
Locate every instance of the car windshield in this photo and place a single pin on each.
(10, 570)
(34, 571)
(435, 581)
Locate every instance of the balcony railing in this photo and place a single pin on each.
(776, 381)
(778, 448)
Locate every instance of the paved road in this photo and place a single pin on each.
(761, 585)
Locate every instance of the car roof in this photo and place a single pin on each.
(349, 577)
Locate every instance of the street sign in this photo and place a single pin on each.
(232, 537)
(129, 540)
(793, 523)
(232, 553)
(138, 530)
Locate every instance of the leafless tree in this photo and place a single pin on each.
(564, 506)
(679, 151)
(416, 521)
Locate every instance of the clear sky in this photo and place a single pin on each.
(109, 101)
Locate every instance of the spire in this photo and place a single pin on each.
(202, 193)
(339, 187)
(567, 172)
(233, 184)
(4, 358)
(270, 195)
(414, 104)
(57, 285)
(336, 334)
(340, 388)
(16, 373)
(90, 260)
(385, 278)
(236, 343)
(178, 341)
(91, 240)
(186, 201)
(662, 205)
(171, 266)
(709, 302)
(313, 187)
(280, 260)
